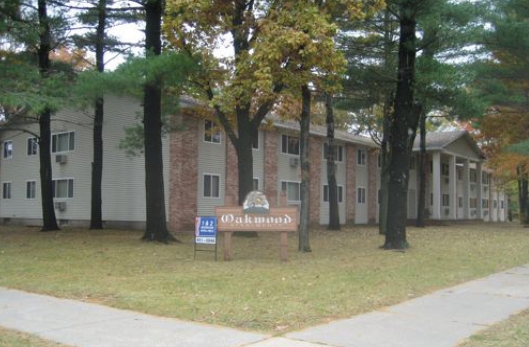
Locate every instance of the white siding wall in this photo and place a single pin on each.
(212, 161)
(123, 185)
(341, 181)
(258, 161)
(362, 181)
(18, 170)
(286, 171)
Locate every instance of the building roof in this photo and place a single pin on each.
(321, 131)
(440, 141)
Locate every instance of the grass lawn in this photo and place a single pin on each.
(510, 333)
(346, 274)
(10, 338)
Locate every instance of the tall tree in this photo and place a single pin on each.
(46, 176)
(334, 213)
(156, 226)
(304, 150)
(274, 45)
(403, 123)
(502, 80)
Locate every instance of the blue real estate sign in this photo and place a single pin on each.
(206, 230)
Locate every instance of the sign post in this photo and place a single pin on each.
(205, 234)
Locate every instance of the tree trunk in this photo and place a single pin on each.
(334, 212)
(384, 174)
(401, 122)
(96, 218)
(304, 123)
(420, 222)
(46, 178)
(523, 195)
(96, 215)
(156, 225)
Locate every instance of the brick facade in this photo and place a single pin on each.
(183, 177)
(270, 184)
(315, 160)
(231, 191)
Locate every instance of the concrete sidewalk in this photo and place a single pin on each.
(441, 319)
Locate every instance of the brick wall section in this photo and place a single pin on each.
(183, 180)
(350, 193)
(270, 183)
(316, 161)
(372, 188)
(231, 190)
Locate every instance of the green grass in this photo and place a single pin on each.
(510, 333)
(346, 274)
(10, 338)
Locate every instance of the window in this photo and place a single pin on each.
(459, 174)
(63, 188)
(338, 152)
(361, 157)
(485, 178)
(289, 144)
(473, 176)
(63, 142)
(211, 134)
(6, 190)
(326, 193)
(495, 203)
(485, 203)
(473, 203)
(445, 169)
(255, 184)
(460, 202)
(8, 149)
(211, 186)
(31, 189)
(361, 195)
(33, 146)
(255, 143)
(292, 189)
(446, 200)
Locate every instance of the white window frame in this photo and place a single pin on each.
(69, 188)
(55, 142)
(32, 146)
(338, 155)
(211, 187)
(7, 149)
(325, 194)
(31, 190)
(445, 200)
(284, 188)
(361, 195)
(211, 135)
(6, 190)
(286, 146)
(361, 157)
(255, 142)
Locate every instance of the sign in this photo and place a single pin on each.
(231, 219)
(206, 230)
(278, 219)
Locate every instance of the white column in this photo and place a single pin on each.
(452, 186)
(466, 189)
(436, 185)
(479, 190)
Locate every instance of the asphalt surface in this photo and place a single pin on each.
(441, 319)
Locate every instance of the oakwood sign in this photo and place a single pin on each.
(282, 219)
(278, 219)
